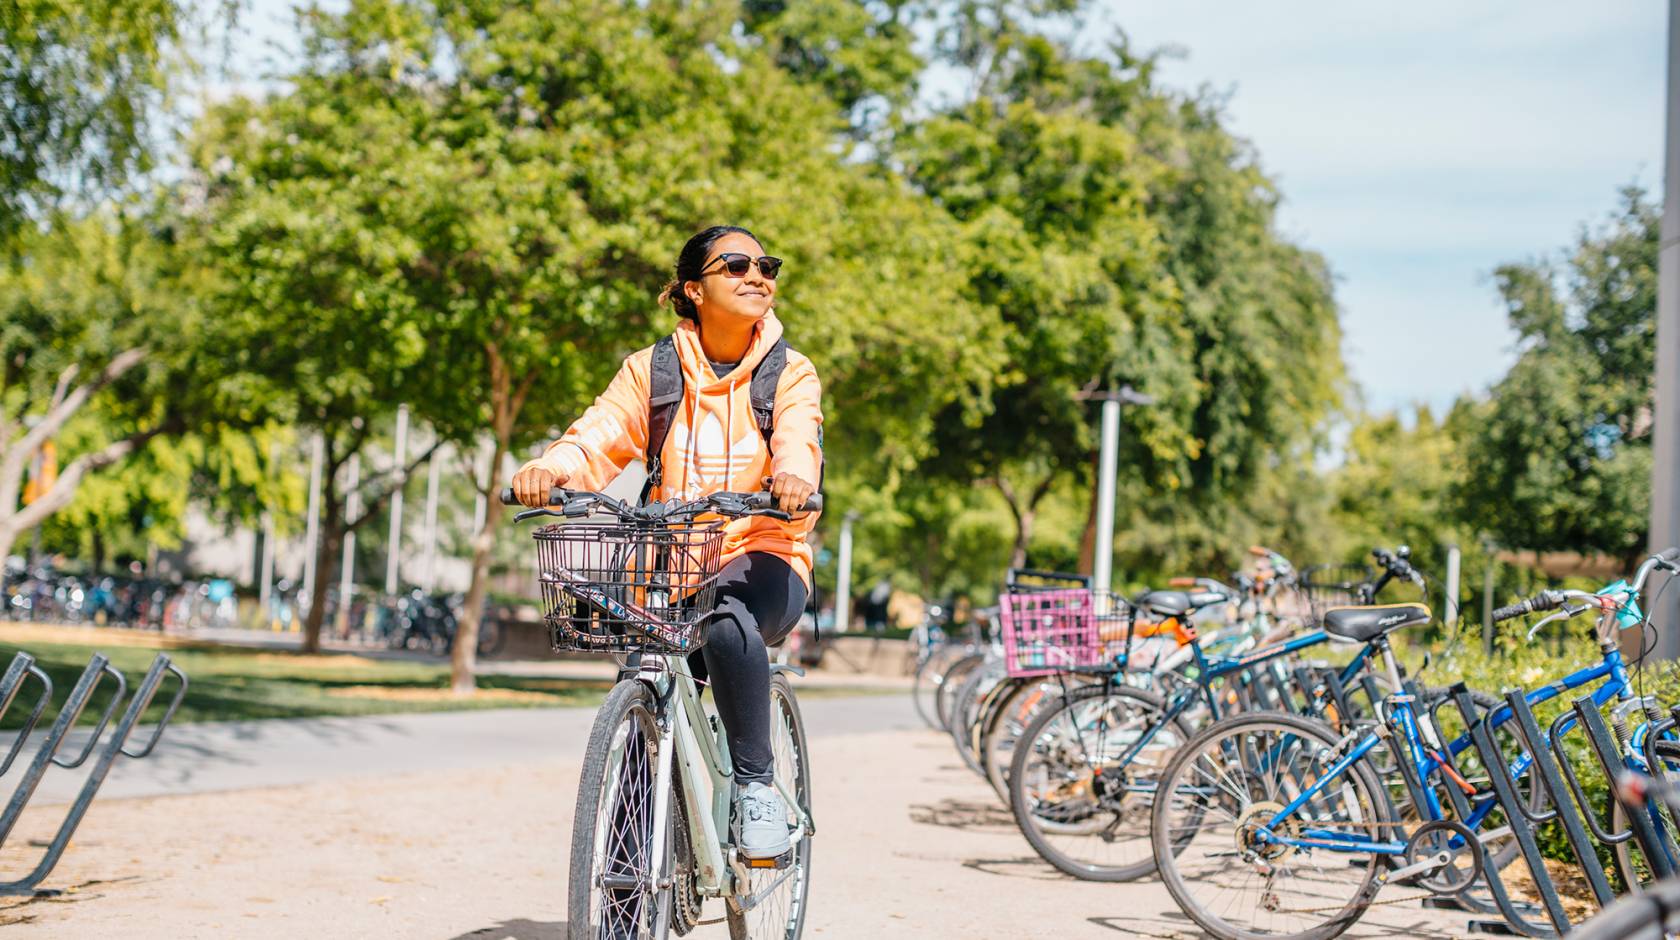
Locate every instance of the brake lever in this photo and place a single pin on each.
(521, 516)
(1564, 614)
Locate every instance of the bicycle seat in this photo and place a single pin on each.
(1368, 623)
(1163, 603)
(1176, 603)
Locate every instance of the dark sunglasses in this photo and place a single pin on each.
(736, 264)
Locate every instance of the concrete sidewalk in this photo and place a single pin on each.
(578, 668)
(235, 755)
(910, 845)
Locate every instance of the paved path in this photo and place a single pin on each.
(233, 755)
(910, 844)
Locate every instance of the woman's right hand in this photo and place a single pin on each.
(531, 486)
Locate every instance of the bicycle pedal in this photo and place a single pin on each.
(781, 861)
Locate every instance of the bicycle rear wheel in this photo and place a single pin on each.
(778, 895)
(617, 889)
(1223, 788)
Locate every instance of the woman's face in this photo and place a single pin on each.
(740, 299)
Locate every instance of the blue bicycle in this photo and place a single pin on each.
(1083, 777)
(1263, 812)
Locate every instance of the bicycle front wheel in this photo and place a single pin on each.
(617, 888)
(1214, 838)
(771, 905)
(1082, 780)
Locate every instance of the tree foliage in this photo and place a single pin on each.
(1561, 456)
(82, 84)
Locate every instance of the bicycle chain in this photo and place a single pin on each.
(686, 903)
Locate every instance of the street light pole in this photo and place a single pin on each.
(843, 580)
(1107, 469)
(1665, 443)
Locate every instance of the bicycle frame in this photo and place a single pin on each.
(1209, 670)
(698, 756)
(1402, 718)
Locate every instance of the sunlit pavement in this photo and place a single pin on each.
(909, 844)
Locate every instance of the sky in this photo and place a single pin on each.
(1417, 146)
(1420, 145)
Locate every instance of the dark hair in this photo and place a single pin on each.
(689, 263)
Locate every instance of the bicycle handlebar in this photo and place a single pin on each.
(1545, 600)
(579, 502)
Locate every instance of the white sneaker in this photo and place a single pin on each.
(764, 822)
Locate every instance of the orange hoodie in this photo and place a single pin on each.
(728, 451)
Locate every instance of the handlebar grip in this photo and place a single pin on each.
(1545, 600)
(556, 496)
(763, 501)
(1671, 555)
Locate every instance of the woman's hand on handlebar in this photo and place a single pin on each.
(531, 486)
(789, 492)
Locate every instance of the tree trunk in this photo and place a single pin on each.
(463, 658)
(326, 550)
(1088, 541)
(1025, 512)
(1023, 537)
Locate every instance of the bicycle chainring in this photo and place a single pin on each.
(1464, 863)
(686, 902)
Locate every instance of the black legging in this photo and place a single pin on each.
(759, 599)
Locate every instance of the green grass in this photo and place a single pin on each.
(227, 683)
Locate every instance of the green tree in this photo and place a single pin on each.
(90, 318)
(1561, 456)
(507, 189)
(84, 83)
(1123, 234)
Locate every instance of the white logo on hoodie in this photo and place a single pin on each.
(708, 460)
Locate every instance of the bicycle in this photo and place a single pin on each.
(653, 834)
(1258, 796)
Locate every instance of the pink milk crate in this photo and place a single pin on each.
(1046, 632)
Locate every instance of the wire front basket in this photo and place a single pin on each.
(617, 587)
(1051, 631)
(1328, 586)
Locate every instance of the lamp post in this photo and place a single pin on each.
(1665, 442)
(1107, 468)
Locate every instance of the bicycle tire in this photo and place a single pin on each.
(924, 689)
(1035, 824)
(791, 759)
(965, 711)
(995, 721)
(1172, 845)
(613, 826)
(952, 684)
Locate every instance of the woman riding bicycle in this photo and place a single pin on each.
(724, 293)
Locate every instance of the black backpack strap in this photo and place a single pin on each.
(665, 392)
(766, 376)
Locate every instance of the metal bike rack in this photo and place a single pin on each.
(1522, 829)
(1604, 747)
(22, 666)
(1564, 801)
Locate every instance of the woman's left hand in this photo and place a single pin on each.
(790, 492)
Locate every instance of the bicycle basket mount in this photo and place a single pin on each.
(616, 587)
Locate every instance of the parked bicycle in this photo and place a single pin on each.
(1263, 813)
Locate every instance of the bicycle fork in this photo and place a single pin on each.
(667, 745)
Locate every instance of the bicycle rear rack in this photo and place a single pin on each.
(22, 667)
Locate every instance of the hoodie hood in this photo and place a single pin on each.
(697, 369)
